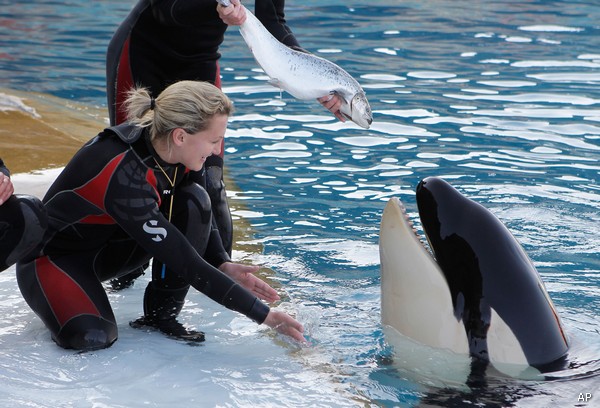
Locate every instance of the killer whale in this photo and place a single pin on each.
(478, 295)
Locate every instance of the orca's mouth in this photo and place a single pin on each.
(422, 238)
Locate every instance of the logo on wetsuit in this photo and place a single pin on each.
(159, 233)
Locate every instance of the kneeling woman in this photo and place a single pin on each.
(125, 198)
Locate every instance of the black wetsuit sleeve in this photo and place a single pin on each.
(271, 14)
(4, 169)
(215, 251)
(133, 204)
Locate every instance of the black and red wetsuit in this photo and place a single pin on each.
(22, 225)
(108, 215)
(164, 41)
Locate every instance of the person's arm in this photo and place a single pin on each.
(165, 242)
(215, 253)
(272, 15)
(134, 206)
(6, 186)
(269, 12)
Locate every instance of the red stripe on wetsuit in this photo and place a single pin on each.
(66, 298)
(94, 191)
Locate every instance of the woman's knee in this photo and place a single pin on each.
(195, 196)
(193, 206)
(193, 214)
(75, 308)
(86, 333)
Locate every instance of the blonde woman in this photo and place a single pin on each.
(163, 41)
(125, 198)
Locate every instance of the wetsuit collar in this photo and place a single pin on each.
(127, 132)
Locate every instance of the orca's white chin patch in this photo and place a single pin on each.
(427, 365)
(415, 298)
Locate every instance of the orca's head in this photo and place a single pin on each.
(440, 208)
(495, 291)
(450, 223)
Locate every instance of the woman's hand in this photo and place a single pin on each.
(333, 103)
(244, 275)
(6, 188)
(285, 324)
(234, 14)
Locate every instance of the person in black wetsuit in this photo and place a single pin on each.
(126, 197)
(23, 221)
(163, 41)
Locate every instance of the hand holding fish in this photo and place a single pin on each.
(235, 14)
(305, 76)
(332, 103)
(232, 13)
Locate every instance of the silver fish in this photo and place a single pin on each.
(305, 76)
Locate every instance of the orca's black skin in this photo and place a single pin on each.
(486, 268)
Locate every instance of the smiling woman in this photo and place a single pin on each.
(112, 209)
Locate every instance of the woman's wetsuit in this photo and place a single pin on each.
(165, 41)
(22, 224)
(108, 214)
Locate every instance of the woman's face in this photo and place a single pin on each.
(196, 147)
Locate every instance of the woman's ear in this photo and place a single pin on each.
(178, 136)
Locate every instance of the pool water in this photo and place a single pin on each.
(501, 99)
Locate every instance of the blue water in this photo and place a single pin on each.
(500, 98)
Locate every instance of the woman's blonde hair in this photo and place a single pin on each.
(186, 104)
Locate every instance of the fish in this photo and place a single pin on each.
(478, 294)
(303, 75)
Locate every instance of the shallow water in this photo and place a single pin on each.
(499, 98)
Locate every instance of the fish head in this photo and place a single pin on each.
(360, 110)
